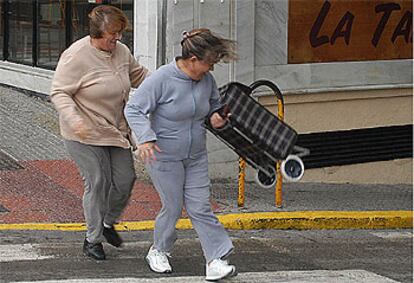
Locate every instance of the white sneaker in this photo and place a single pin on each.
(158, 261)
(219, 269)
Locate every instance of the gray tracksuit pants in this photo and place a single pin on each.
(109, 175)
(186, 183)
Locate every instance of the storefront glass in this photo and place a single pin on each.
(20, 20)
(51, 40)
(37, 32)
(1, 29)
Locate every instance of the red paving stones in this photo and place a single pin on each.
(50, 191)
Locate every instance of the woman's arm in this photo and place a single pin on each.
(142, 103)
(215, 117)
(215, 104)
(66, 83)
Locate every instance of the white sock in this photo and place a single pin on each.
(107, 226)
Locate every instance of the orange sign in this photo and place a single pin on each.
(349, 30)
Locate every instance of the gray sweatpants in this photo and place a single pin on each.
(187, 183)
(109, 175)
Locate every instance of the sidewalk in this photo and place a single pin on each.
(40, 188)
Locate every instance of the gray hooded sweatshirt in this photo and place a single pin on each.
(170, 108)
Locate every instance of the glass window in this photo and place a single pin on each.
(80, 20)
(51, 32)
(1, 28)
(58, 24)
(21, 31)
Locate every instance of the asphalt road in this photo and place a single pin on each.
(260, 256)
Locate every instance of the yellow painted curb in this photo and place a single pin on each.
(319, 220)
(299, 220)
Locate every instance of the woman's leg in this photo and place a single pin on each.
(213, 237)
(94, 166)
(168, 179)
(123, 178)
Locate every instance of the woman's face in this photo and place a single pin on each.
(108, 40)
(200, 68)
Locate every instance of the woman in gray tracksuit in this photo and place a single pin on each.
(167, 114)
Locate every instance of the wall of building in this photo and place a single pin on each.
(26, 77)
(334, 95)
(343, 110)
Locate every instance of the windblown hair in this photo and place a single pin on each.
(106, 18)
(207, 46)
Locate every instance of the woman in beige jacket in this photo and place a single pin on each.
(89, 90)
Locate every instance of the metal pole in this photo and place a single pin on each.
(242, 174)
(279, 178)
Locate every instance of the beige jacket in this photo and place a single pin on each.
(93, 86)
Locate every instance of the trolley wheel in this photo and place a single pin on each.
(264, 180)
(292, 168)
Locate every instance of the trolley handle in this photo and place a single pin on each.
(223, 112)
(269, 84)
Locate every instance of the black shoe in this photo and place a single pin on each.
(94, 251)
(112, 237)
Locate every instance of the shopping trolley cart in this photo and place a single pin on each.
(257, 135)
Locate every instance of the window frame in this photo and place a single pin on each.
(6, 6)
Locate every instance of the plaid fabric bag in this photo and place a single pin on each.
(253, 129)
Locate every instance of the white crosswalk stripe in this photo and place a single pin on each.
(20, 252)
(314, 276)
(393, 235)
